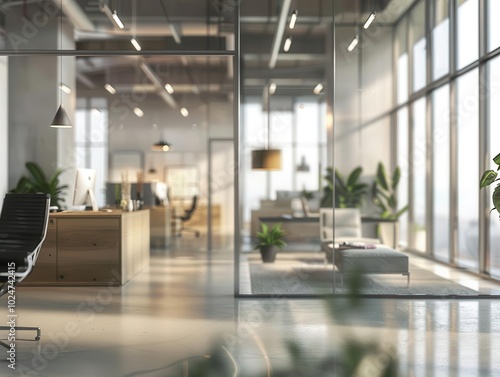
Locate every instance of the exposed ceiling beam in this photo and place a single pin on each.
(75, 14)
(85, 80)
(278, 35)
(160, 90)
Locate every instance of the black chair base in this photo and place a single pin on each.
(21, 328)
(184, 229)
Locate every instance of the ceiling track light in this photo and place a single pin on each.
(288, 44)
(169, 88)
(369, 20)
(353, 44)
(318, 88)
(136, 44)
(110, 88)
(117, 20)
(184, 112)
(138, 112)
(272, 88)
(293, 19)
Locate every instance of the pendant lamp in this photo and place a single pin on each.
(61, 119)
(161, 146)
(266, 159)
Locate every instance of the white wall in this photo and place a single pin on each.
(189, 143)
(4, 129)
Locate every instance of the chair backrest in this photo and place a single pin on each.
(23, 222)
(347, 223)
(189, 212)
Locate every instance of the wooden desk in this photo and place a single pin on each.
(162, 223)
(92, 248)
(295, 228)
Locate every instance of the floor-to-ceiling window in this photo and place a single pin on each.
(441, 172)
(467, 38)
(494, 148)
(404, 164)
(419, 160)
(419, 46)
(467, 119)
(91, 141)
(493, 27)
(440, 39)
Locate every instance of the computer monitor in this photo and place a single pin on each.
(84, 188)
(160, 191)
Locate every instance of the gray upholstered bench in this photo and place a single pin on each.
(381, 260)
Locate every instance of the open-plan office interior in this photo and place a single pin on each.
(358, 130)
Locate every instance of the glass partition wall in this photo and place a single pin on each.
(285, 101)
(412, 92)
(166, 76)
(336, 97)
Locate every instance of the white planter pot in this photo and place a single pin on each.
(389, 233)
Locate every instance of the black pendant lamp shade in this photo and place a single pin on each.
(61, 119)
(266, 159)
(161, 146)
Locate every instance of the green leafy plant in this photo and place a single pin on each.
(384, 193)
(38, 182)
(270, 236)
(349, 193)
(490, 176)
(327, 199)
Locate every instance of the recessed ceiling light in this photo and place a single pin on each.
(184, 112)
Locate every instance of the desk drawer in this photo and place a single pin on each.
(88, 249)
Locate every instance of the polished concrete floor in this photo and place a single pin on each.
(180, 313)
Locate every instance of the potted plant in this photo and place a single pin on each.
(490, 176)
(270, 240)
(349, 192)
(38, 182)
(384, 195)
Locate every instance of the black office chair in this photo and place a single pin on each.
(23, 227)
(187, 216)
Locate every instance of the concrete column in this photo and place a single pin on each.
(4, 129)
(34, 93)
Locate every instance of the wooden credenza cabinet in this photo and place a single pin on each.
(92, 248)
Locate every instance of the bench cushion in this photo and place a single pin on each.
(380, 260)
